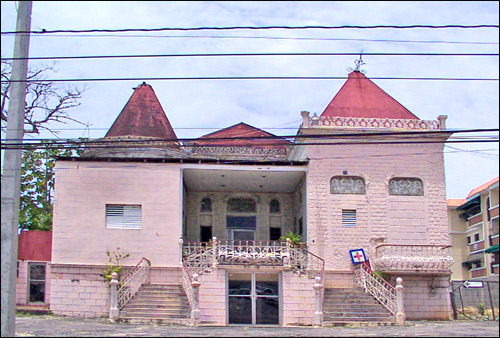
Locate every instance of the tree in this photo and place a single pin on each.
(37, 185)
(46, 101)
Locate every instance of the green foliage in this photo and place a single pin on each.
(115, 258)
(294, 238)
(37, 184)
(481, 308)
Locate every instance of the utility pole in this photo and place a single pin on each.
(11, 176)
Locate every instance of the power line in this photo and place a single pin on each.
(44, 31)
(212, 78)
(271, 38)
(241, 55)
(373, 138)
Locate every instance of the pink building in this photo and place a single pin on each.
(365, 177)
(33, 268)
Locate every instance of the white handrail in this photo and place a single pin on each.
(132, 281)
(375, 285)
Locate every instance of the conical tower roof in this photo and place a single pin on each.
(359, 97)
(142, 116)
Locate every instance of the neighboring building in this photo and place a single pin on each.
(215, 207)
(473, 224)
(33, 268)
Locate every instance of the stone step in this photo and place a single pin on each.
(161, 321)
(155, 314)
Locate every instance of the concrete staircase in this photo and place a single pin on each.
(157, 304)
(352, 306)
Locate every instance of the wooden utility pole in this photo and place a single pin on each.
(11, 175)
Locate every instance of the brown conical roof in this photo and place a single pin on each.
(360, 97)
(142, 116)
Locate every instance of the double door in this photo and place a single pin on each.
(254, 298)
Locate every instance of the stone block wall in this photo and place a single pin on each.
(79, 291)
(298, 299)
(426, 297)
(213, 297)
(380, 217)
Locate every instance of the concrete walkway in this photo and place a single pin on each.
(55, 326)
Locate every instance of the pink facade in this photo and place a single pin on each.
(160, 203)
(33, 268)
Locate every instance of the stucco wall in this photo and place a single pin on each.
(82, 191)
(380, 216)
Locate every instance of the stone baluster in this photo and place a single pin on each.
(113, 310)
(181, 241)
(400, 314)
(214, 252)
(195, 312)
(318, 303)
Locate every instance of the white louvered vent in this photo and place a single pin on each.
(349, 217)
(123, 216)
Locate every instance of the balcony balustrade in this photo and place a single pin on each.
(433, 259)
(202, 257)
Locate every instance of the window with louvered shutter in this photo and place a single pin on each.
(123, 216)
(349, 217)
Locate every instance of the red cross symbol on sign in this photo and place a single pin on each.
(358, 256)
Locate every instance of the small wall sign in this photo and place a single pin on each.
(358, 256)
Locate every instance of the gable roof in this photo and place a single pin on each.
(142, 116)
(230, 137)
(360, 97)
(482, 187)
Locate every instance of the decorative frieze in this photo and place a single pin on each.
(406, 186)
(379, 123)
(347, 185)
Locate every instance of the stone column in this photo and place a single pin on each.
(113, 310)
(195, 311)
(400, 314)
(318, 306)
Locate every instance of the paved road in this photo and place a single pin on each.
(55, 326)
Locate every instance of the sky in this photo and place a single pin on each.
(198, 107)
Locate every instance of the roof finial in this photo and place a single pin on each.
(358, 64)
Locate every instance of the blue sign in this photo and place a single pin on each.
(358, 256)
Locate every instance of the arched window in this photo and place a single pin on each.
(206, 205)
(274, 207)
(241, 205)
(406, 186)
(347, 185)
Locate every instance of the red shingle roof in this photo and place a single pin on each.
(242, 130)
(482, 187)
(360, 97)
(142, 116)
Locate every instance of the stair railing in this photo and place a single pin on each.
(375, 285)
(132, 281)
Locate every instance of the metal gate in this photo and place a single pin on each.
(473, 299)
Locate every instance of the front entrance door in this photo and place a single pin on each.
(253, 298)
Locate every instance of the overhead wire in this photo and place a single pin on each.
(69, 57)
(44, 31)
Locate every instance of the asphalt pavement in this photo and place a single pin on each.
(57, 326)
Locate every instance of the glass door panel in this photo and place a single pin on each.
(239, 298)
(253, 298)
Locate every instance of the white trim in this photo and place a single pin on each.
(235, 167)
(473, 228)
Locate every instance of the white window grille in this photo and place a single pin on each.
(349, 217)
(123, 216)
